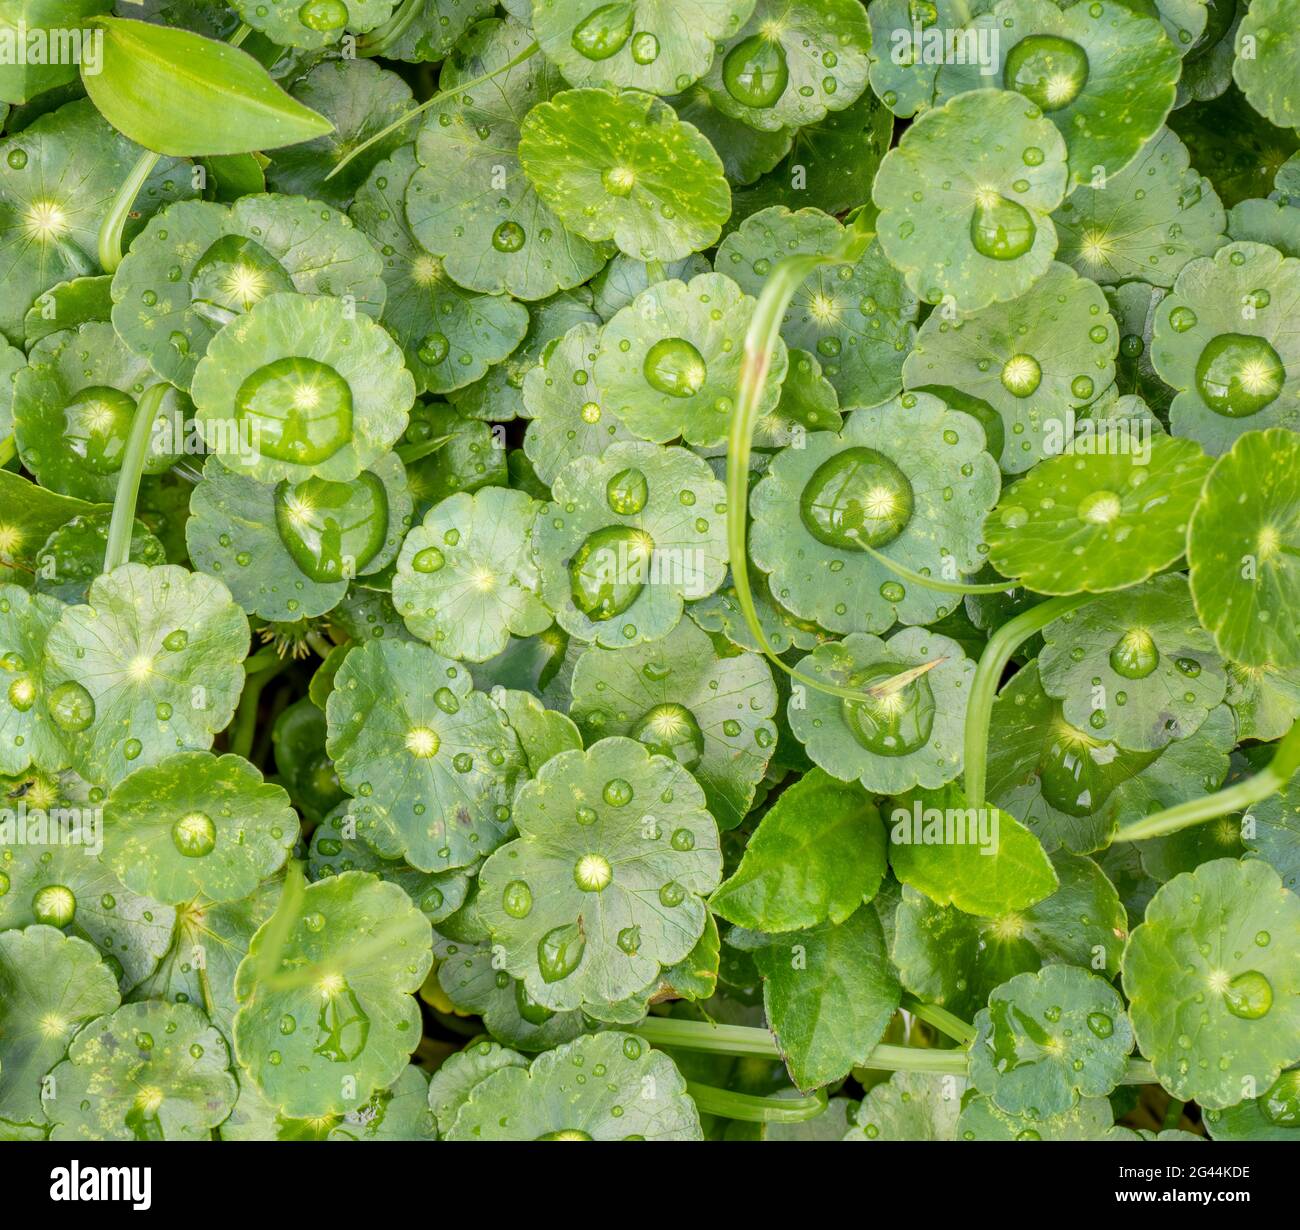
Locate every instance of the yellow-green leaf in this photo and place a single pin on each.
(179, 93)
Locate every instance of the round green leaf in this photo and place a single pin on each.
(1091, 1119)
(431, 762)
(62, 883)
(151, 663)
(629, 536)
(909, 41)
(746, 152)
(50, 986)
(857, 318)
(793, 62)
(77, 301)
(1211, 981)
(721, 613)
(469, 201)
(1269, 222)
(637, 1094)
(1267, 47)
(199, 265)
(1271, 1116)
(1103, 73)
(329, 997)
(681, 698)
(466, 579)
(910, 479)
(58, 178)
(569, 416)
(603, 887)
(908, 737)
(1223, 339)
(436, 27)
(1264, 699)
(197, 825)
(909, 1106)
(1021, 366)
(449, 336)
(966, 199)
(1146, 222)
(624, 167)
(302, 387)
(147, 1072)
(1242, 545)
(1090, 523)
(669, 363)
(1046, 1039)
(651, 45)
(1134, 666)
(73, 407)
(287, 550)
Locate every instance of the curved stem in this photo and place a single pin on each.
(943, 587)
(761, 341)
(245, 727)
(942, 1020)
(110, 230)
(1268, 781)
(378, 42)
(460, 86)
(988, 674)
(118, 551)
(751, 1109)
(8, 451)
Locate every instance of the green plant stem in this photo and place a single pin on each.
(245, 728)
(943, 587)
(8, 451)
(655, 272)
(319, 645)
(746, 1040)
(1268, 781)
(988, 674)
(743, 1040)
(378, 42)
(240, 34)
(761, 342)
(944, 1021)
(410, 453)
(419, 109)
(1173, 1115)
(118, 551)
(262, 660)
(110, 230)
(751, 1109)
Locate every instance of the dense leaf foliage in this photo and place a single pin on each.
(607, 571)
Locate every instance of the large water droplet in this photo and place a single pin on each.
(528, 1008)
(194, 834)
(517, 899)
(342, 1022)
(755, 72)
(673, 366)
(627, 492)
(592, 873)
(323, 15)
(559, 951)
(96, 425)
(857, 496)
(299, 410)
(1021, 375)
(1238, 375)
(897, 723)
(1000, 229)
(1135, 655)
(603, 32)
(234, 274)
(55, 905)
(671, 730)
(508, 237)
(1249, 995)
(332, 530)
(1101, 1024)
(71, 707)
(433, 349)
(1049, 71)
(608, 572)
